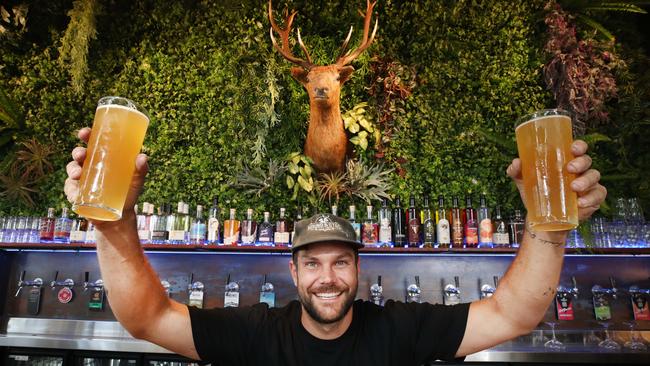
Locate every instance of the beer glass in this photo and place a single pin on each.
(116, 138)
(544, 141)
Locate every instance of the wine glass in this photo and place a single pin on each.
(553, 344)
(635, 343)
(608, 344)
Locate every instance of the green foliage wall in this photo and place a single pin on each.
(218, 93)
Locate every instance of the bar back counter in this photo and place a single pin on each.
(82, 330)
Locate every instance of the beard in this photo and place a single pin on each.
(320, 316)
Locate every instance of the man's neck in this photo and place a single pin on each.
(326, 331)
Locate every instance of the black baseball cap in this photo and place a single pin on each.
(324, 227)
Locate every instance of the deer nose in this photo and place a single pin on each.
(321, 92)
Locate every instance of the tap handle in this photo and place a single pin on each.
(417, 281)
(228, 279)
(614, 289)
(86, 276)
(575, 286)
(379, 280)
(264, 279)
(496, 281)
(457, 282)
(56, 276)
(22, 277)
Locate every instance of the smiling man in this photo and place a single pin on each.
(326, 326)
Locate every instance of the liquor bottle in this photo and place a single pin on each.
(442, 225)
(267, 293)
(428, 225)
(214, 223)
(471, 224)
(187, 223)
(385, 230)
(370, 232)
(231, 229)
(47, 227)
(485, 228)
(295, 221)
(414, 225)
(231, 296)
(62, 227)
(282, 230)
(516, 229)
(500, 236)
(152, 221)
(198, 230)
(248, 229)
(266, 231)
(456, 224)
(141, 222)
(177, 232)
(90, 234)
(353, 221)
(399, 225)
(78, 230)
(159, 233)
(335, 210)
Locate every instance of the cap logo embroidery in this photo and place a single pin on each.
(324, 223)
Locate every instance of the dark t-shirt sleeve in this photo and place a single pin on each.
(223, 335)
(441, 331)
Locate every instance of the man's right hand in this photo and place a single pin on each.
(71, 187)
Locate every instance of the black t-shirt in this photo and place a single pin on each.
(396, 334)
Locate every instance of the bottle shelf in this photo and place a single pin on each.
(254, 249)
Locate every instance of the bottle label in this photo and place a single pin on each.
(196, 299)
(90, 236)
(231, 299)
(443, 232)
(471, 233)
(357, 229)
(266, 235)
(369, 234)
(385, 231)
(429, 229)
(77, 236)
(564, 306)
(602, 310)
(96, 302)
(500, 239)
(268, 298)
(230, 239)
(248, 239)
(640, 307)
(485, 231)
(142, 234)
(159, 235)
(213, 230)
(414, 231)
(177, 235)
(282, 238)
(457, 232)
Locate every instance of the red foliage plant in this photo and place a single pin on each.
(580, 71)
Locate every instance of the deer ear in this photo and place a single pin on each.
(345, 73)
(300, 74)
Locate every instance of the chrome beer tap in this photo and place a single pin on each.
(598, 290)
(377, 292)
(98, 284)
(36, 283)
(487, 290)
(569, 290)
(452, 292)
(68, 282)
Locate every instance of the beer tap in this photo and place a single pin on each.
(195, 291)
(570, 291)
(414, 291)
(195, 286)
(68, 282)
(598, 290)
(98, 284)
(36, 283)
(166, 286)
(452, 292)
(487, 290)
(377, 292)
(637, 290)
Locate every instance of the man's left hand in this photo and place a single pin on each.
(590, 193)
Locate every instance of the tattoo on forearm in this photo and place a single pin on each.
(556, 244)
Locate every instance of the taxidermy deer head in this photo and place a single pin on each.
(326, 142)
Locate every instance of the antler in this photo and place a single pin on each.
(345, 59)
(285, 50)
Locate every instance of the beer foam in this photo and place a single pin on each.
(123, 107)
(544, 117)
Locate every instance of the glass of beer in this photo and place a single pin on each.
(115, 141)
(544, 141)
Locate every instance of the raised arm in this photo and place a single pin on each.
(528, 287)
(133, 288)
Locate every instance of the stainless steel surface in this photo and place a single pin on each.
(73, 334)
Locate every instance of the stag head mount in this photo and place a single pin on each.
(326, 142)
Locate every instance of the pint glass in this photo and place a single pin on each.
(116, 138)
(544, 142)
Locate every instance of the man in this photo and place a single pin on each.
(327, 326)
